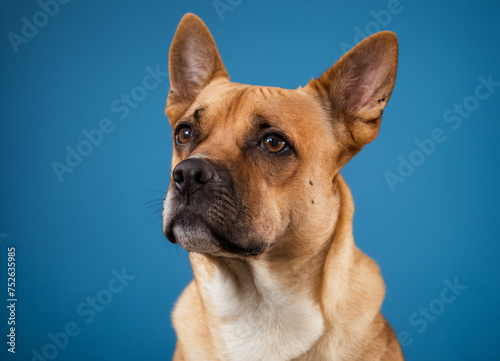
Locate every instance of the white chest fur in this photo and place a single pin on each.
(257, 318)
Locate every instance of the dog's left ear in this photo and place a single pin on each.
(359, 85)
(194, 61)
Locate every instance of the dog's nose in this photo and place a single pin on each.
(191, 175)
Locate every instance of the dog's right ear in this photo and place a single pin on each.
(193, 62)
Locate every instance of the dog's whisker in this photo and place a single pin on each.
(157, 190)
(153, 204)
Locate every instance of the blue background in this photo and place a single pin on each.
(440, 225)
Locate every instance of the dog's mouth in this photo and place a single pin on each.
(194, 234)
(194, 238)
(197, 236)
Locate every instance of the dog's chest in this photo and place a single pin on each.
(257, 319)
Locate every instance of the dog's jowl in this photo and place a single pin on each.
(257, 199)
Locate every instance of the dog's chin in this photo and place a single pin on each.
(194, 239)
(200, 238)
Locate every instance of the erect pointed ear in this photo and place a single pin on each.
(359, 85)
(193, 62)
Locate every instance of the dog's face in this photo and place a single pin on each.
(240, 153)
(253, 167)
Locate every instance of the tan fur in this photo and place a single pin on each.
(312, 294)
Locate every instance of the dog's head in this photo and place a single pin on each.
(254, 166)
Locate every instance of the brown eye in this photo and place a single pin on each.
(184, 135)
(274, 143)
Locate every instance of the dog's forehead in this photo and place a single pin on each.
(236, 105)
(235, 98)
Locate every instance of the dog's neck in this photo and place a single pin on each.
(251, 313)
(270, 306)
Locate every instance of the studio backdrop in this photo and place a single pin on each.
(85, 156)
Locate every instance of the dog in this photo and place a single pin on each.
(257, 199)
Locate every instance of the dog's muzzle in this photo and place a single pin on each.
(203, 212)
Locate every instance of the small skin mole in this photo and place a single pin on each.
(312, 201)
(311, 182)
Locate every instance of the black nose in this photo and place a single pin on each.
(191, 175)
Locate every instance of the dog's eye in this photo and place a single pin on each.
(184, 135)
(274, 143)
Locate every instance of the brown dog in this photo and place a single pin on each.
(257, 199)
